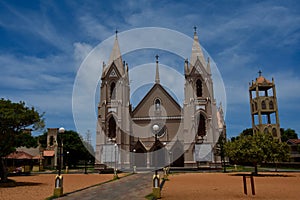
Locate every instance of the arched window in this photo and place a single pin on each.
(157, 105)
(201, 126)
(271, 105)
(112, 128)
(51, 141)
(199, 88)
(112, 90)
(274, 132)
(263, 105)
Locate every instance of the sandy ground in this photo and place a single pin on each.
(226, 186)
(187, 186)
(38, 187)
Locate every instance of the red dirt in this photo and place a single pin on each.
(38, 187)
(187, 186)
(226, 186)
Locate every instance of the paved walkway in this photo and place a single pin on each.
(132, 187)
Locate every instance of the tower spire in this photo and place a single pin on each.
(196, 50)
(115, 55)
(157, 80)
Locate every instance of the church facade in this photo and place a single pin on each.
(158, 131)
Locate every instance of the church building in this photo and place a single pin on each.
(159, 131)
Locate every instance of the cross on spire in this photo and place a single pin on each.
(116, 32)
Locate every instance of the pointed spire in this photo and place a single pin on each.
(196, 50)
(208, 66)
(115, 55)
(157, 80)
(186, 66)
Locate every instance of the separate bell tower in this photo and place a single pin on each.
(264, 107)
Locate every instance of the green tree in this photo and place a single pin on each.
(247, 131)
(14, 119)
(74, 144)
(256, 149)
(288, 134)
(220, 149)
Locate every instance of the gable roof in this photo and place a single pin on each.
(151, 91)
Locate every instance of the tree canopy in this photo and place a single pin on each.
(257, 148)
(287, 134)
(15, 118)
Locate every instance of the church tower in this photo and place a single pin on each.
(200, 113)
(113, 124)
(264, 107)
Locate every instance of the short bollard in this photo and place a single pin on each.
(58, 190)
(156, 188)
(165, 169)
(251, 182)
(134, 169)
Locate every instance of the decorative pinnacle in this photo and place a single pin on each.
(259, 72)
(116, 32)
(195, 29)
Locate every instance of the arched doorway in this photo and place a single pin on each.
(158, 155)
(177, 155)
(139, 155)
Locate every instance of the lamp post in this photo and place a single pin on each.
(67, 162)
(156, 188)
(134, 165)
(61, 130)
(58, 190)
(115, 170)
(155, 128)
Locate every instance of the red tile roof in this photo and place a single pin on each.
(19, 155)
(294, 141)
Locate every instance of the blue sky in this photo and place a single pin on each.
(42, 44)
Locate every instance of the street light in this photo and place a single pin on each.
(155, 129)
(61, 130)
(58, 190)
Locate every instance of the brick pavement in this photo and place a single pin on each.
(132, 187)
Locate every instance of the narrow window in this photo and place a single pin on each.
(51, 141)
(271, 105)
(157, 105)
(263, 105)
(112, 90)
(274, 132)
(112, 128)
(199, 88)
(201, 126)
